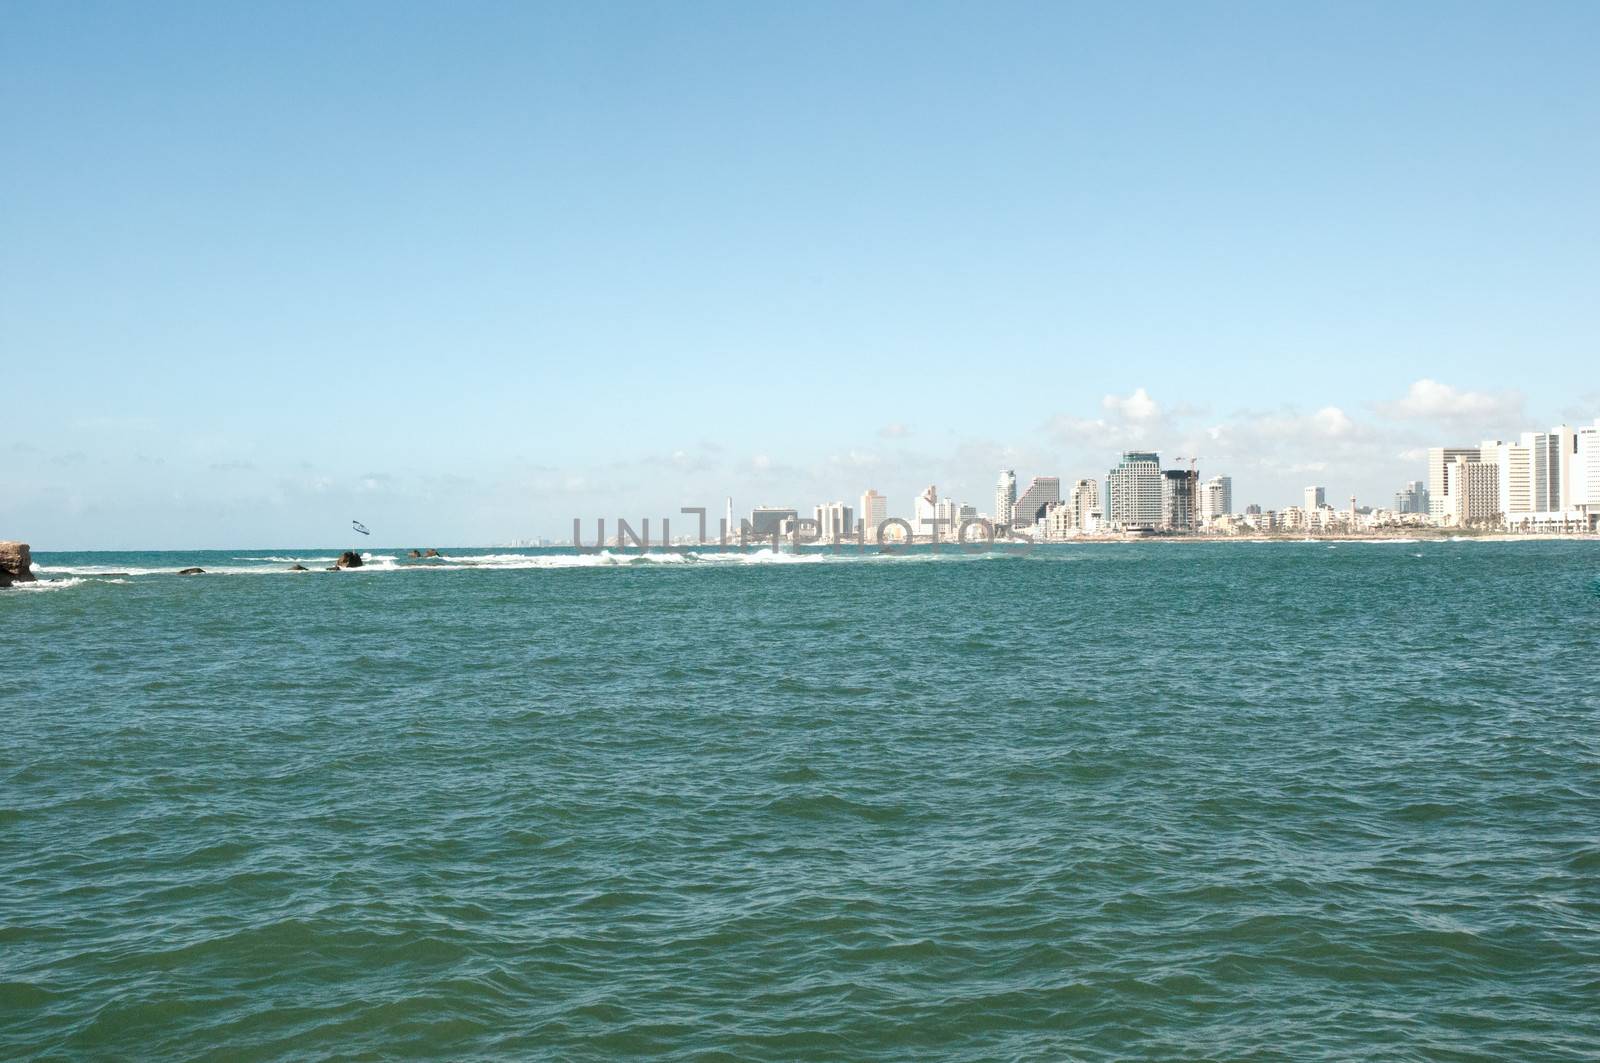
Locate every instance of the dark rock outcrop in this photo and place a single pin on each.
(15, 564)
(191, 571)
(432, 553)
(348, 559)
(416, 553)
(298, 568)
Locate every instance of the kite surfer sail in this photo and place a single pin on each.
(358, 526)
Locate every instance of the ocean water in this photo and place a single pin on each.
(1103, 802)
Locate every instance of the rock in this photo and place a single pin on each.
(298, 568)
(348, 559)
(191, 571)
(416, 553)
(432, 553)
(16, 564)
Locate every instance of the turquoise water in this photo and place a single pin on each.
(1153, 801)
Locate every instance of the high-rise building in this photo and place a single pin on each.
(1085, 503)
(1586, 470)
(1476, 494)
(1575, 490)
(1178, 500)
(1441, 462)
(1133, 491)
(835, 521)
(874, 511)
(1216, 498)
(925, 511)
(948, 511)
(936, 517)
(1546, 447)
(1005, 496)
(1412, 498)
(1515, 487)
(1316, 498)
(1042, 493)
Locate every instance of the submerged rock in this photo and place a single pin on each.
(349, 559)
(191, 571)
(298, 568)
(416, 553)
(432, 553)
(16, 564)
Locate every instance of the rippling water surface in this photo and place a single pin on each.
(1156, 801)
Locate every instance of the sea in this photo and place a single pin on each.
(1141, 801)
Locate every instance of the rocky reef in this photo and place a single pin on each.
(16, 564)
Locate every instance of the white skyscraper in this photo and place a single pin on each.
(1005, 496)
(1133, 491)
(1316, 498)
(1515, 463)
(1086, 513)
(925, 512)
(1216, 498)
(835, 521)
(1586, 469)
(1574, 484)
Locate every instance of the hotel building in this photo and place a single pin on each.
(1133, 491)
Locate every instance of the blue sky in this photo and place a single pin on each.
(466, 272)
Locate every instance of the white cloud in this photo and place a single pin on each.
(1274, 430)
(1430, 400)
(1332, 422)
(1138, 407)
(1129, 420)
(894, 431)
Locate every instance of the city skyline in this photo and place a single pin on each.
(1272, 457)
(1545, 481)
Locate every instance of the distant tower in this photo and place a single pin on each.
(727, 521)
(1133, 491)
(874, 511)
(924, 511)
(1005, 496)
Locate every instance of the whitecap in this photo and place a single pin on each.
(49, 584)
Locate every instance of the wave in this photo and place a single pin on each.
(98, 570)
(279, 564)
(49, 584)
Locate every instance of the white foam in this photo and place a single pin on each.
(278, 564)
(99, 570)
(49, 584)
